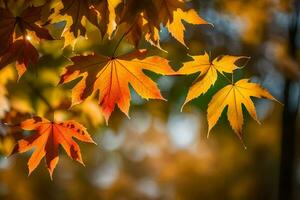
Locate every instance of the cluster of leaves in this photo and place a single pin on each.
(110, 76)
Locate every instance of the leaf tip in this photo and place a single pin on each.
(80, 161)
(50, 174)
(181, 109)
(258, 121)
(106, 120)
(274, 99)
(127, 115)
(29, 171)
(208, 134)
(183, 105)
(239, 134)
(210, 24)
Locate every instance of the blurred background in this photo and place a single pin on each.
(162, 153)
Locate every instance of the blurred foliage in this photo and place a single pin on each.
(160, 153)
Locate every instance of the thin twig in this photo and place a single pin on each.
(118, 44)
(120, 40)
(229, 81)
(40, 95)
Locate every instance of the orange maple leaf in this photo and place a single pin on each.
(111, 76)
(47, 138)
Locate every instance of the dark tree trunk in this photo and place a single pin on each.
(287, 162)
(288, 139)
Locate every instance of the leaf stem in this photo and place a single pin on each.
(229, 81)
(122, 37)
(42, 97)
(118, 44)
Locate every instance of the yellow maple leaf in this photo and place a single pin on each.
(176, 27)
(107, 13)
(234, 96)
(144, 18)
(76, 15)
(208, 72)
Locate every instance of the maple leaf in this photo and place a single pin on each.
(12, 27)
(172, 13)
(106, 11)
(21, 51)
(77, 10)
(137, 17)
(7, 25)
(101, 13)
(176, 27)
(111, 76)
(147, 16)
(47, 138)
(234, 96)
(208, 72)
(15, 34)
